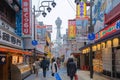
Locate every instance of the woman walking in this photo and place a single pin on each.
(54, 66)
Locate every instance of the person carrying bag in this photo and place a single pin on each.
(57, 76)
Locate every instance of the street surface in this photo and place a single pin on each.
(82, 75)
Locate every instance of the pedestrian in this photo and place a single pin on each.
(72, 68)
(44, 66)
(67, 65)
(54, 67)
(58, 62)
(37, 67)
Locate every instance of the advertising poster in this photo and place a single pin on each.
(71, 29)
(41, 31)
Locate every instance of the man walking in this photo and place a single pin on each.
(44, 66)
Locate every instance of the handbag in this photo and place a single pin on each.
(57, 76)
(76, 77)
(52, 74)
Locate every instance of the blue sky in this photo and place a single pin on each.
(65, 9)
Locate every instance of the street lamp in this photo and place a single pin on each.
(34, 42)
(53, 3)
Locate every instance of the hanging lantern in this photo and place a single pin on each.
(94, 48)
(109, 44)
(115, 42)
(102, 45)
(98, 46)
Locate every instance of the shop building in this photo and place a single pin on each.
(106, 48)
(14, 61)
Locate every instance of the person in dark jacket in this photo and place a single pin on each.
(44, 65)
(72, 68)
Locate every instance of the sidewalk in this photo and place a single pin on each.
(82, 75)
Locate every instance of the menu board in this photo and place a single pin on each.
(14, 59)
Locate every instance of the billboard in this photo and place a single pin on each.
(82, 9)
(41, 31)
(26, 17)
(49, 28)
(71, 29)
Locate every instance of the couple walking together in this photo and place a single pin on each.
(44, 64)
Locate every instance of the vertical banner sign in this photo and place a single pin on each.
(77, 11)
(26, 17)
(71, 29)
(41, 30)
(82, 9)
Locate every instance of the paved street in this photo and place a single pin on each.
(82, 75)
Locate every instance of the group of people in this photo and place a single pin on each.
(55, 65)
(44, 64)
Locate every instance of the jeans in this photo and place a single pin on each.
(44, 72)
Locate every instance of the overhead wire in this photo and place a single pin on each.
(71, 5)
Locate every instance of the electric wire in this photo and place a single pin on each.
(71, 5)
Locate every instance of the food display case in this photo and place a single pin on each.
(19, 69)
(97, 65)
(25, 70)
(97, 62)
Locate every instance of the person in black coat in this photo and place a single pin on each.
(72, 68)
(44, 66)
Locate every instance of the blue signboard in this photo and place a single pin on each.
(34, 42)
(91, 36)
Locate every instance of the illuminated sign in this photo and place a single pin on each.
(82, 8)
(108, 30)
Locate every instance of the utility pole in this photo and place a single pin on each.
(91, 31)
(34, 55)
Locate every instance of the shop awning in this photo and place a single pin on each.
(13, 50)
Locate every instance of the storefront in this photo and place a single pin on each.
(106, 51)
(84, 59)
(14, 61)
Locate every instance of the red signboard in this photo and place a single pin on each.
(26, 17)
(108, 30)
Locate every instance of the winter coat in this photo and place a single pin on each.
(72, 68)
(44, 64)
